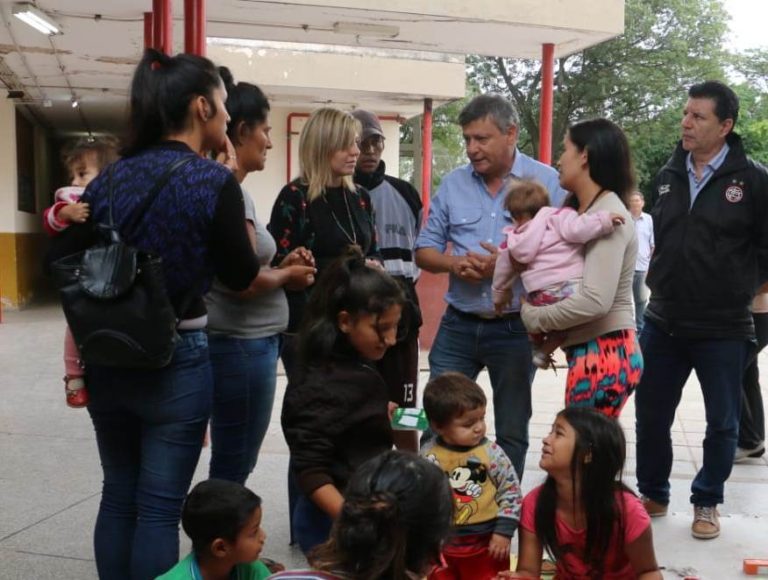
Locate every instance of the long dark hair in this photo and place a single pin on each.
(608, 156)
(246, 103)
(347, 284)
(596, 469)
(397, 512)
(161, 91)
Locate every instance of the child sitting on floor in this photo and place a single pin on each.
(84, 160)
(223, 520)
(583, 515)
(548, 243)
(485, 487)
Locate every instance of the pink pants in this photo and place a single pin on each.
(72, 365)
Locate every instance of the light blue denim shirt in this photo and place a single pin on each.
(465, 213)
(695, 186)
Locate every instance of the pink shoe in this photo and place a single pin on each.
(77, 394)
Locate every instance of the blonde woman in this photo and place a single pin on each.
(323, 210)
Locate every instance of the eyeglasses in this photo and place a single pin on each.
(374, 143)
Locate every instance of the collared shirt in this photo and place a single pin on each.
(644, 230)
(465, 213)
(696, 185)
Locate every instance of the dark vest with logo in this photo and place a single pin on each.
(709, 258)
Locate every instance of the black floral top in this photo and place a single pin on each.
(326, 226)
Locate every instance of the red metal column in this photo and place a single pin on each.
(194, 27)
(426, 156)
(163, 25)
(547, 102)
(148, 29)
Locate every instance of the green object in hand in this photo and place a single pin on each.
(409, 418)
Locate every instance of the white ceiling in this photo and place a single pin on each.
(103, 40)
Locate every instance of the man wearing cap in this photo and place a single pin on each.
(468, 212)
(398, 215)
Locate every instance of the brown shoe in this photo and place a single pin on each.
(654, 508)
(706, 524)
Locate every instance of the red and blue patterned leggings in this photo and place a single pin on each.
(603, 372)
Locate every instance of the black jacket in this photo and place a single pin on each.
(709, 259)
(334, 419)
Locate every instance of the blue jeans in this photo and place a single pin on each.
(467, 344)
(244, 378)
(311, 525)
(149, 430)
(719, 366)
(640, 295)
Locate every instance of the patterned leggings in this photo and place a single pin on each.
(603, 372)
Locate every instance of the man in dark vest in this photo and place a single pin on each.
(397, 206)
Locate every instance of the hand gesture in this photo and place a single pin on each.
(300, 256)
(484, 264)
(465, 270)
(299, 277)
(498, 547)
(75, 213)
(227, 156)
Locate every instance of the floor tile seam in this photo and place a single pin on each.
(45, 436)
(48, 517)
(43, 554)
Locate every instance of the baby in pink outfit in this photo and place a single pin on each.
(84, 160)
(545, 248)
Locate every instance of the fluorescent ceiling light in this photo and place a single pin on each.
(36, 18)
(366, 29)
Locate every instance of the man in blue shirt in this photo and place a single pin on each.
(468, 212)
(711, 233)
(644, 229)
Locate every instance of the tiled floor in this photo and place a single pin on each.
(50, 476)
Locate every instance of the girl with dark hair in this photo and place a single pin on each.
(244, 327)
(604, 359)
(335, 410)
(150, 423)
(397, 512)
(588, 521)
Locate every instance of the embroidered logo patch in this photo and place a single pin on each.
(664, 189)
(734, 194)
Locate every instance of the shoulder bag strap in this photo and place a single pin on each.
(138, 214)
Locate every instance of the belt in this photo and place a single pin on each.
(483, 317)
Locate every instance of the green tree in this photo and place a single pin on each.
(637, 79)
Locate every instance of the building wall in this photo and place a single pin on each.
(265, 185)
(22, 241)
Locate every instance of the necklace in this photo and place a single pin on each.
(594, 199)
(352, 238)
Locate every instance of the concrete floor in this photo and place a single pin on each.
(50, 476)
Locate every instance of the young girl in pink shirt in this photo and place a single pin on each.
(586, 519)
(546, 248)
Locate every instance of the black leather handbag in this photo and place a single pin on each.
(114, 296)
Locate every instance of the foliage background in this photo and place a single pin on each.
(639, 80)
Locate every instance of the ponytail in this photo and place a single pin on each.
(161, 90)
(246, 104)
(396, 514)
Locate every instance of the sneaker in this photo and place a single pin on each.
(654, 508)
(743, 454)
(77, 394)
(706, 524)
